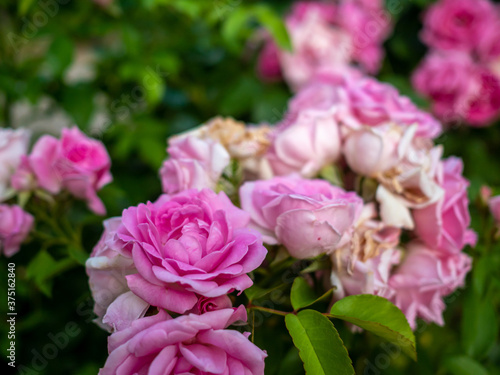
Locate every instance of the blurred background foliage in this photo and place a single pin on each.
(132, 73)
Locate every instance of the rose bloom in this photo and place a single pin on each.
(423, 279)
(363, 102)
(305, 145)
(15, 225)
(115, 305)
(194, 243)
(494, 204)
(75, 163)
(484, 107)
(364, 262)
(193, 163)
(189, 344)
(457, 24)
(309, 217)
(368, 24)
(13, 145)
(449, 80)
(444, 224)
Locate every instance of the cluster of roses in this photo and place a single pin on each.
(328, 35)
(74, 163)
(185, 252)
(461, 73)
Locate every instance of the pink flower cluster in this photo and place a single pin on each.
(369, 132)
(184, 254)
(461, 73)
(74, 163)
(327, 35)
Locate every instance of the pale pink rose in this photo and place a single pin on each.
(368, 25)
(368, 277)
(494, 204)
(15, 225)
(309, 217)
(368, 253)
(115, 305)
(189, 344)
(194, 243)
(305, 145)
(372, 150)
(268, 62)
(301, 10)
(316, 44)
(444, 225)
(457, 24)
(13, 145)
(424, 278)
(193, 163)
(75, 163)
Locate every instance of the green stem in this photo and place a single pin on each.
(265, 309)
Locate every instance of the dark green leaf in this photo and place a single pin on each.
(479, 326)
(301, 294)
(463, 365)
(274, 24)
(377, 315)
(320, 346)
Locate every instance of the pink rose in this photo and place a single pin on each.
(268, 63)
(368, 25)
(193, 163)
(373, 103)
(75, 163)
(189, 344)
(457, 24)
(115, 305)
(309, 217)
(489, 45)
(363, 101)
(449, 80)
(444, 225)
(366, 277)
(485, 104)
(369, 151)
(13, 145)
(305, 145)
(316, 44)
(363, 263)
(424, 278)
(15, 225)
(189, 244)
(494, 204)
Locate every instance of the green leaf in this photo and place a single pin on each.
(320, 346)
(379, 316)
(463, 365)
(274, 24)
(479, 326)
(78, 255)
(234, 25)
(301, 294)
(43, 267)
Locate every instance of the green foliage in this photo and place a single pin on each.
(319, 344)
(377, 315)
